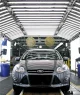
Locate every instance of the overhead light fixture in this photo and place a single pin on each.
(39, 32)
(1, 3)
(58, 9)
(26, 19)
(73, 10)
(41, 24)
(58, 45)
(68, 22)
(77, 7)
(72, 20)
(40, 46)
(27, 2)
(15, 44)
(1, 8)
(2, 11)
(40, 27)
(49, 41)
(40, 17)
(6, 20)
(37, 6)
(77, 3)
(66, 44)
(73, 17)
(5, 17)
(26, 12)
(75, 14)
(4, 14)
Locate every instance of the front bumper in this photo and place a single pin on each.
(56, 80)
(41, 86)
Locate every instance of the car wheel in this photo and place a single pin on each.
(66, 88)
(17, 90)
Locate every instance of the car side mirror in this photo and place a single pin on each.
(17, 59)
(65, 58)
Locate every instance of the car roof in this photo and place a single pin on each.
(41, 50)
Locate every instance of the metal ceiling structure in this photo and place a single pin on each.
(19, 45)
(19, 18)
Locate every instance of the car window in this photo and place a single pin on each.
(42, 55)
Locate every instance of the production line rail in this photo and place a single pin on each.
(42, 93)
(55, 92)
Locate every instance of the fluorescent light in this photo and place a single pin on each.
(40, 17)
(40, 46)
(73, 17)
(58, 45)
(8, 24)
(40, 27)
(2, 11)
(10, 29)
(38, 12)
(77, 3)
(75, 11)
(66, 30)
(4, 14)
(1, 3)
(15, 44)
(69, 33)
(5, 17)
(40, 33)
(1, 8)
(70, 25)
(39, 9)
(72, 20)
(39, 21)
(10, 19)
(76, 7)
(36, 2)
(40, 24)
(26, 19)
(75, 14)
(15, 36)
(38, 6)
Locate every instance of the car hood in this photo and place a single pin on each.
(41, 64)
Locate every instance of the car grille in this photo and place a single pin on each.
(56, 80)
(24, 80)
(37, 71)
(40, 79)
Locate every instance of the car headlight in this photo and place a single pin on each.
(20, 69)
(62, 69)
(17, 69)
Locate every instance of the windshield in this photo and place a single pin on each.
(42, 55)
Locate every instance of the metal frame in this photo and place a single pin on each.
(27, 14)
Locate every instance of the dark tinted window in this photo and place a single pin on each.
(42, 55)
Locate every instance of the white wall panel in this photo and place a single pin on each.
(74, 52)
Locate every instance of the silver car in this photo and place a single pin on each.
(41, 68)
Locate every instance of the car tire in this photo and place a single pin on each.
(66, 88)
(17, 90)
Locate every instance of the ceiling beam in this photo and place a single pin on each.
(75, 37)
(71, 5)
(13, 15)
(4, 35)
